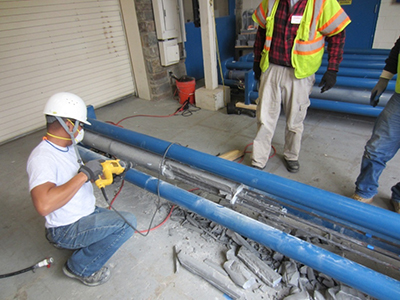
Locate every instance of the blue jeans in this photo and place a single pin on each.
(381, 147)
(95, 238)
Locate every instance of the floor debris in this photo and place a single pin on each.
(253, 271)
(221, 282)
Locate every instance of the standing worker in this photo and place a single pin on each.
(61, 191)
(385, 140)
(288, 51)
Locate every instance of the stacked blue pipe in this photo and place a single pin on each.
(358, 74)
(378, 222)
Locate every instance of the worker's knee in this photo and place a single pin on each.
(130, 220)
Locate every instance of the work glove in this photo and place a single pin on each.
(328, 80)
(92, 169)
(257, 70)
(377, 91)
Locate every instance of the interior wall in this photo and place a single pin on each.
(250, 4)
(226, 43)
(221, 9)
(226, 34)
(159, 81)
(388, 25)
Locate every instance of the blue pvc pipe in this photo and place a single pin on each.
(359, 64)
(345, 107)
(364, 57)
(384, 52)
(352, 72)
(338, 106)
(239, 65)
(377, 221)
(357, 82)
(344, 270)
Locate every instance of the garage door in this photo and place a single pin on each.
(48, 46)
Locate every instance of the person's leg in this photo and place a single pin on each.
(395, 199)
(381, 147)
(96, 237)
(268, 110)
(295, 99)
(396, 192)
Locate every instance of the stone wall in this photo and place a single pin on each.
(161, 85)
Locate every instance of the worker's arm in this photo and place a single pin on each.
(335, 57)
(393, 59)
(388, 72)
(258, 48)
(48, 197)
(335, 50)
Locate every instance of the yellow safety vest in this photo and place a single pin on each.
(321, 18)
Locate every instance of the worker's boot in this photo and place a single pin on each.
(396, 205)
(292, 166)
(361, 199)
(95, 279)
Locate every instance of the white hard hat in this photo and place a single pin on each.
(67, 105)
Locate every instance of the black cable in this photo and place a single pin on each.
(158, 197)
(18, 272)
(46, 262)
(188, 112)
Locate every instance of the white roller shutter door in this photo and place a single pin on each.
(48, 46)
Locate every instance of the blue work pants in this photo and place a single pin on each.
(95, 238)
(381, 147)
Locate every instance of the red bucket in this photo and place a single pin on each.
(186, 86)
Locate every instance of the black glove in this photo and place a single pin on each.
(377, 91)
(257, 70)
(328, 80)
(92, 169)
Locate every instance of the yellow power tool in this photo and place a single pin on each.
(110, 168)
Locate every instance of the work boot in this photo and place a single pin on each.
(396, 205)
(292, 166)
(97, 278)
(258, 168)
(361, 199)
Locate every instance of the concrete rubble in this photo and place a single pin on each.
(253, 271)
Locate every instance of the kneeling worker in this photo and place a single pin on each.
(61, 191)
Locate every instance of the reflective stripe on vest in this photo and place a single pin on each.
(309, 47)
(320, 18)
(336, 25)
(272, 7)
(260, 15)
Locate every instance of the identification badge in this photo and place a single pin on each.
(296, 19)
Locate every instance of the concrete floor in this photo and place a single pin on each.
(144, 267)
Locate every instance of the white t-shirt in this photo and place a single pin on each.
(51, 163)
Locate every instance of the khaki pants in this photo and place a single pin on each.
(279, 86)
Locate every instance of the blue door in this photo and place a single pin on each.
(363, 15)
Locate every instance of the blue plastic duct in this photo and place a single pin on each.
(353, 72)
(376, 220)
(359, 64)
(357, 82)
(362, 57)
(384, 52)
(368, 80)
(337, 106)
(345, 107)
(344, 270)
(351, 95)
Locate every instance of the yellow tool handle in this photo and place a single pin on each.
(110, 167)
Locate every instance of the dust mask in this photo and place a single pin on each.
(79, 137)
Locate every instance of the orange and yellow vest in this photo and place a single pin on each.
(321, 18)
